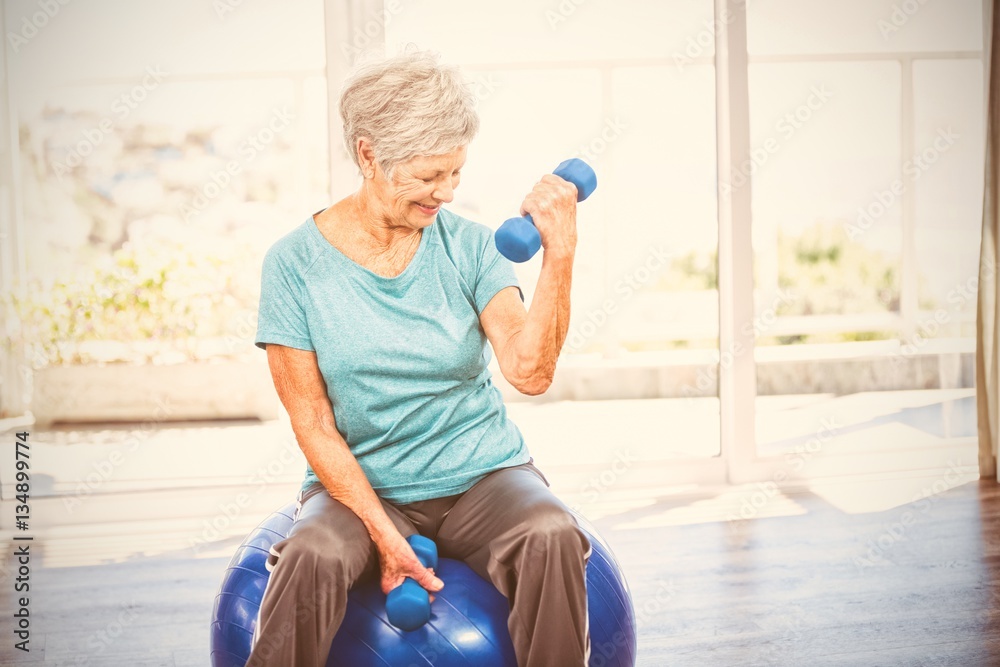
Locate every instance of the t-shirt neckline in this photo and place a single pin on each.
(408, 271)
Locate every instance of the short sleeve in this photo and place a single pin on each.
(495, 273)
(281, 317)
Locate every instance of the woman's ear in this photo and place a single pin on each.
(366, 157)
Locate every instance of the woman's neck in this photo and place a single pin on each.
(367, 236)
(372, 221)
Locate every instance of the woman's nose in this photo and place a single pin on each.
(444, 192)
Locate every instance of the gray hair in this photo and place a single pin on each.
(407, 105)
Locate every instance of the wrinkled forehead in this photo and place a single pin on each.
(443, 162)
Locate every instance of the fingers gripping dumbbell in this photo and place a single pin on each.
(518, 239)
(408, 605)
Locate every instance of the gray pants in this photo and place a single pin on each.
(509, 528)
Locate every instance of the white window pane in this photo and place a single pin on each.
(828, 140)
(531, 31)
(863, 26)
(827, 221)
(102, 39)
(174, 150)
(947, 177)
(663, 189)
(174, 137)
(667, 153)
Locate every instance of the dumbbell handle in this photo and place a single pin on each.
(518, 239)
(408, 606)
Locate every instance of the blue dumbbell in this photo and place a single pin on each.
(408, 605)
(517, 239)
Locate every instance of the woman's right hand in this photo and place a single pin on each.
(398, 561)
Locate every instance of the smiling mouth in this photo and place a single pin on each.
(429, 209)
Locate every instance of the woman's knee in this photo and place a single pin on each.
(316, 548)
(552, 525)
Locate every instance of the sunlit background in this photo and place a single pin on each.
(161, 148)
(155, 150)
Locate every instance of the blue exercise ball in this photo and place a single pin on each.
(468, 623)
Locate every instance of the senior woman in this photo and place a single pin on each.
(375, 314)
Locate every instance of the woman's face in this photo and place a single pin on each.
(420, 186)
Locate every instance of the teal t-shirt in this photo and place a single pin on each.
(404, 358)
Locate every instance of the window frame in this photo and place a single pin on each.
(738, 461)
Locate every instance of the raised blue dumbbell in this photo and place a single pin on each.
(518, 239)
(408, 605)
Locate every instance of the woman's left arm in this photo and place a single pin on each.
(527, 342)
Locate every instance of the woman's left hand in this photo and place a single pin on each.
(552, 206)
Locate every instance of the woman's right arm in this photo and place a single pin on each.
(302, 391)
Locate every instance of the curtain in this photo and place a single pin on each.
(987, 311)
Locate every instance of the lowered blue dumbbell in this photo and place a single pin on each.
(408, 605)
(517, 239)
